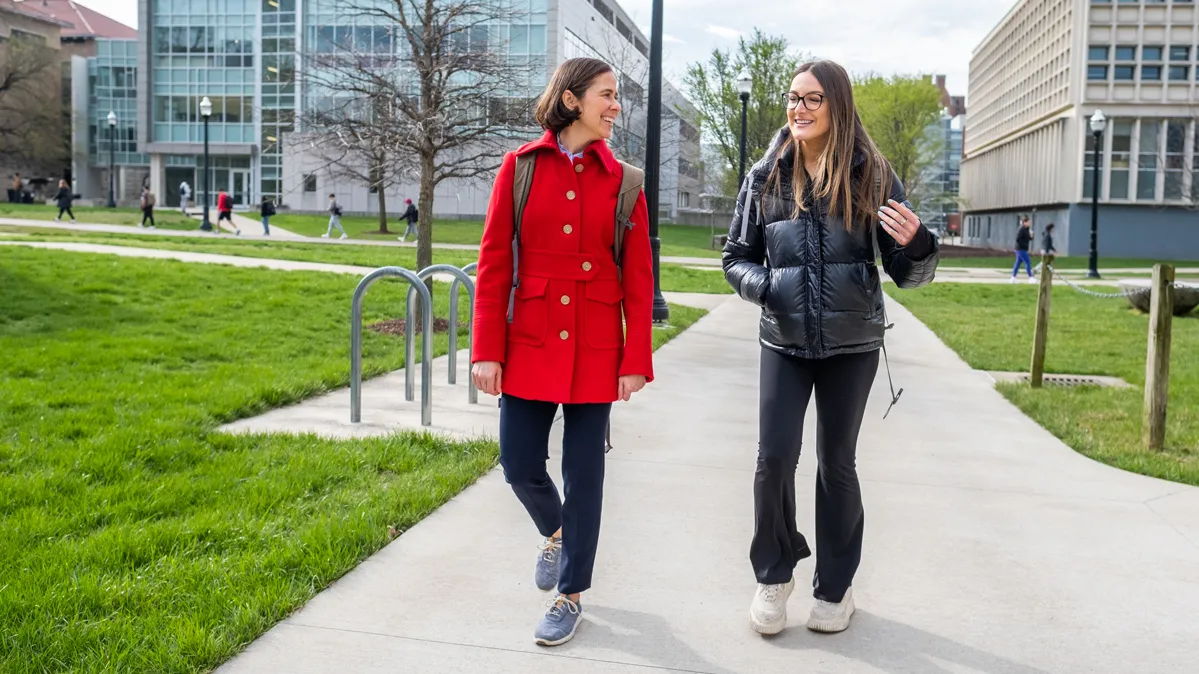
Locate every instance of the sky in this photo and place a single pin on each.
(883, 36)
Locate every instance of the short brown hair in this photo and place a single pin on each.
(576, 76)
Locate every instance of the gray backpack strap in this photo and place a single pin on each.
(521, 185)
(631, 181)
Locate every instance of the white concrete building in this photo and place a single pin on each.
(1035, 81)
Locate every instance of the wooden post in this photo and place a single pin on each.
(1041, 332)
(1157, 362)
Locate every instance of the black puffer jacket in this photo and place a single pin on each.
(818, 285)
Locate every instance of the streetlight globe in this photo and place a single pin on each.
(112, 118)
(1098, 122)
(744, 84)
(205, 107)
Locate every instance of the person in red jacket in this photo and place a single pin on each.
(566, 343)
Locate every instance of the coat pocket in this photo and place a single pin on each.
(529, 312)
(604, 320)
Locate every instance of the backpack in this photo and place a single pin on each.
(626, 200)
(150, 200)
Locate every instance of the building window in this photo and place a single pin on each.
(1176, 134)
(1147, 160)
(1096, 72)
(1151, 53)
(1179, 72)
(1151, 73)
(1123, 73)
(1121, 158)
(1126, 53)
(310, 182)
(1180, 53)
(1097, 53)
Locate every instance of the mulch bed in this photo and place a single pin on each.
(398, 326)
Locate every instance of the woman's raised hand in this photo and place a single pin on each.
(899, 221)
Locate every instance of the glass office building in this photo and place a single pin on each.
(248, 56)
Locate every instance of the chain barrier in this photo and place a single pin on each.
(1122, 294)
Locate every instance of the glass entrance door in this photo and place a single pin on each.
(239, 187)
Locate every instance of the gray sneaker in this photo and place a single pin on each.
(549, 564)
(559, 623)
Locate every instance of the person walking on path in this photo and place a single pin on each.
(185, 193)
(224, 207)
(801, 247)
(547, 321)
(147, 204)
(411, 215)
(1047, 247)
(63, 199)
(334, 218)
(1023, 241)
(266, 209)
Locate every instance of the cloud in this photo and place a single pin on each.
(672, 39)
(723, 32)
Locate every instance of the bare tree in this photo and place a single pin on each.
(440, 99)
(31, 107)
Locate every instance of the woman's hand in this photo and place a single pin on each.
(899, 221)
(630, 384)
(488, 376)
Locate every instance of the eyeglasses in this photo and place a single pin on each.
(811, 101)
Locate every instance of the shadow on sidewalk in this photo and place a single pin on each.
(893, 647)
(645, 636)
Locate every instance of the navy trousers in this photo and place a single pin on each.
(524, 451)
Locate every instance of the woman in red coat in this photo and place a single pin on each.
(566, 343)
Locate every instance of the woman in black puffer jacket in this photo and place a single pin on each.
(809, 262)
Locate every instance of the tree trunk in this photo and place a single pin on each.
(382, 210)
(424, 247)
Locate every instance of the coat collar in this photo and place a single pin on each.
(549, 141)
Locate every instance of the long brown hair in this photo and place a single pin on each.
(574, 75)
(853, 194)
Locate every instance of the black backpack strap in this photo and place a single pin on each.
(887, 325)
(521, 184)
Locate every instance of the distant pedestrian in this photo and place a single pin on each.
(266, 209)
(185, 193)
(14, 194)
(224, 207)
(1047, 241)
(64, 199)
(411, 215)
(147, 204)
(1023, 240)
(334, 218)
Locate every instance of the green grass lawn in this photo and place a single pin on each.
(1074, 262)
(165, 218)
(136, 537)
(991, 328)
(674, 278)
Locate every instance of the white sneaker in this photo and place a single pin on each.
(1032, 279)
(768, 613)
(325, 235)
(1012, 280)
(829, 617)
(345, 236)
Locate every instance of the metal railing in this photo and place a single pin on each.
(473, 394)
(460, 276)
(416, 285)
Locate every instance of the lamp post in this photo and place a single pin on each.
(653, 163)
(745, 84)
(206, 112)
(1098, 123)
(112, 159)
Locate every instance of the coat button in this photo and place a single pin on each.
(578, 168)
(570, 195)
(564, 334)
(566, 299)
(568, 229)
(586, 266)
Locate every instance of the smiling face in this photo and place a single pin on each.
(598, 109)
(808, 126)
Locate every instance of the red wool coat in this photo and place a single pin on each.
(565, 343)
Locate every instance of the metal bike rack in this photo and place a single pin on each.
(459, 276)
(470, 333)
(416, 284)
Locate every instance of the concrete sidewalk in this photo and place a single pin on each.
(990, 546)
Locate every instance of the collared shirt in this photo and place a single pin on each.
(569, 155)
